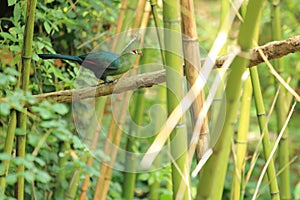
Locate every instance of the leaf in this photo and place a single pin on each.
(60, 108)
(11, 179)
(42, 177)
(11, 2)
(50, 124)
(44, 112)
(7, 36)
(297, 191)
(5, 156)
(15, 48)
(144, 177)
(47, 27)
(17, 12)
(4, 108)
(3, 79)
(12, 71)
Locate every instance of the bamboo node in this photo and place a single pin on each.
(26, 57)
(172, 21)
(187, 39)
(261, 114)
(274, 194)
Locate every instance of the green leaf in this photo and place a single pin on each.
(17, 12)
(7, 36)
(3, 79)
(47, 27)
(11, 179)
(42, 177)
(60, 108)
(50, 124)
(11, 71)
(297, 191)
(144, 177)
(4, 108)
(11, 2)
(28, 176)
(15, 48)
(5, 156)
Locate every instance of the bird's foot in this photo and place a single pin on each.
(104, 82)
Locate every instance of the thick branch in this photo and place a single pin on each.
(272, 50)
(118, 86)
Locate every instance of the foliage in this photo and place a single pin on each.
(63, 27)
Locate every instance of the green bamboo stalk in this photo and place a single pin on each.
(25, 73)
(103, 181)
(61, 175)
(263, 127)
(174, 74)
(127, 22)
(132, 141)
(241, 141)
(261, 114)
(9, 140)
(130, 162)
(70, 193)
(281, 111)
(214, 172)
(158, 25)
(161, 100)
(100, 107)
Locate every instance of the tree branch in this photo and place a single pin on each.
(118, 86)
(272, 50)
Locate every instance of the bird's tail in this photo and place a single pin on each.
(64, 57)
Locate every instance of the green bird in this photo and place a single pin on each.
(102, 64)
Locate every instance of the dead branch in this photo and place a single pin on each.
(272, 50)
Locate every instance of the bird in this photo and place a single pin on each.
(102, 63)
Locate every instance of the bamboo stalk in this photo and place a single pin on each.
(155, 186)
(70, 193)
(100, 105)
(61, 175)
(25, 73)
(241, 141)
(114, 137)
(130, 159)
(281, 109)
(213, 173)
(120, 21)
(192, 67)
(132, 144)
(158, 25)
(174, 74)
(264, 128)
(9, 140)
(115, 130)
(260, 109)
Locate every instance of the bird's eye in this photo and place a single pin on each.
(134, 51)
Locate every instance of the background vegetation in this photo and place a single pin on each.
(58, 164)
